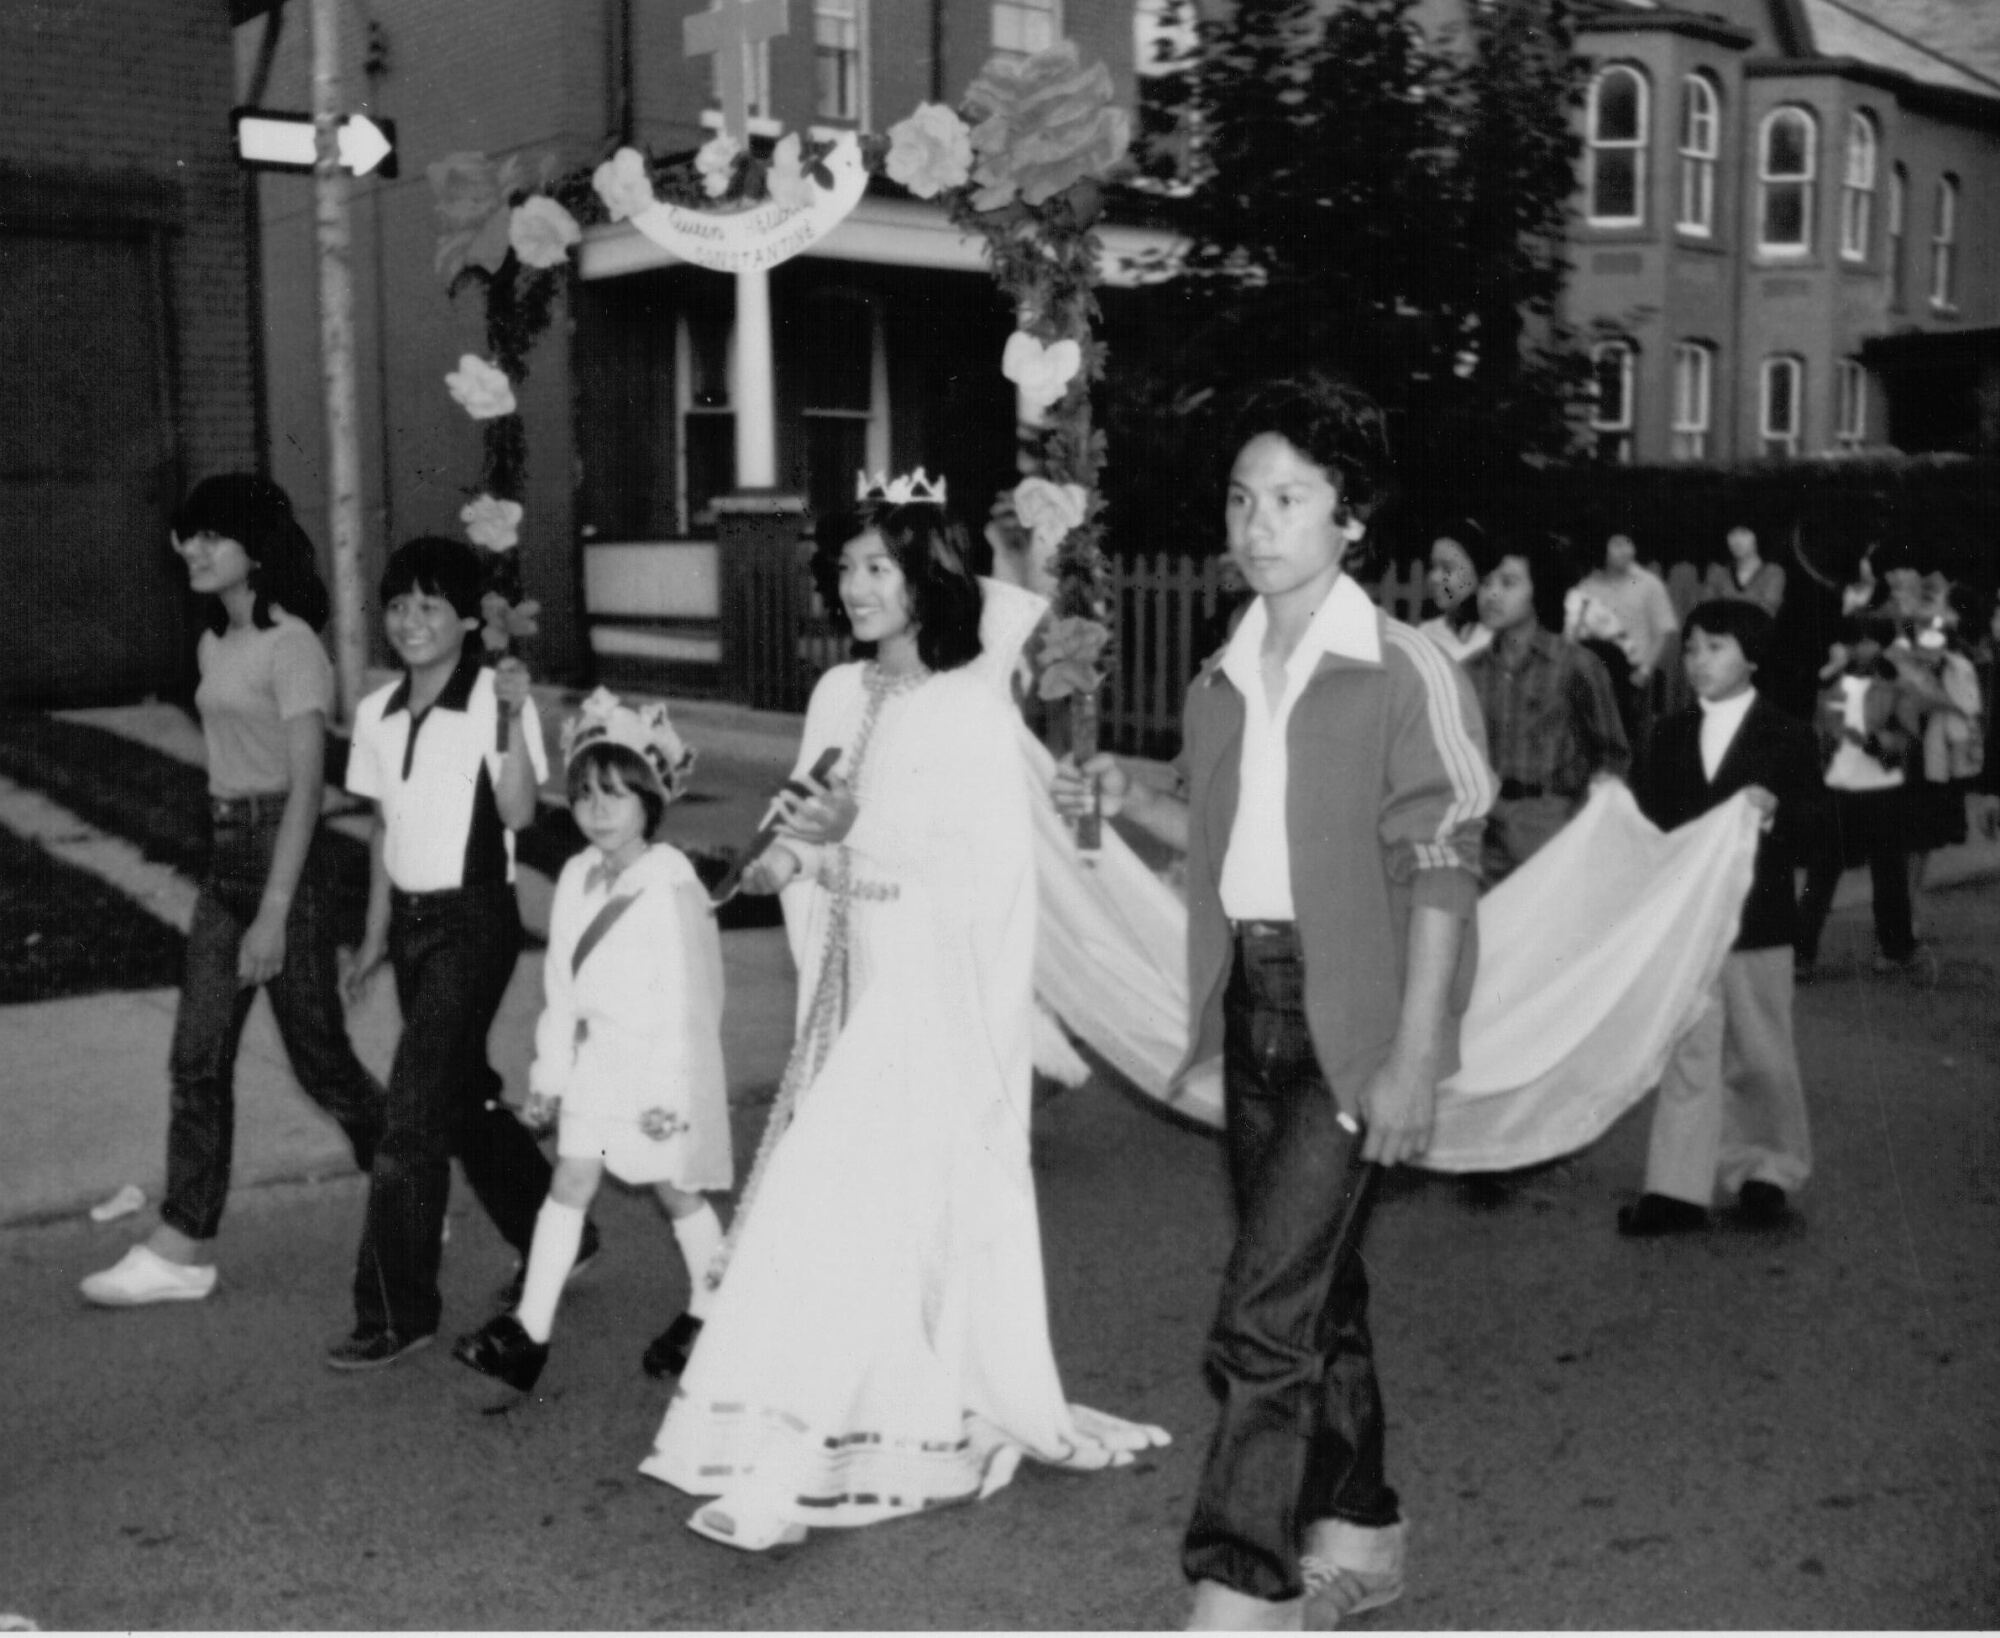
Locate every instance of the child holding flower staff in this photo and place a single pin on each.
(628, 1052)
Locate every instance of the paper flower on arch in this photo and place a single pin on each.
(481, 389)
(621, 182)
(1049, 122)
(494, 524)
(505, 621)
(1069, 657)
(786, 176)
(1043, 373)
(1049, 511)
(541, 232)
(716, 161)
(930, 151)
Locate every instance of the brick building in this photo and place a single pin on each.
(1787, 230)
(125, 336)
(887, 334)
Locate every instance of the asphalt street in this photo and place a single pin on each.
(1794, 1430)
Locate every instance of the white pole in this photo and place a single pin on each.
(336, 334)
(756, 385)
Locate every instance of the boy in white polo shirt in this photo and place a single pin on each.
(441, 909)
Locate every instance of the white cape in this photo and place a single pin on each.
(1594, 957)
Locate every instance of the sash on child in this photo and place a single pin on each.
(593, 935)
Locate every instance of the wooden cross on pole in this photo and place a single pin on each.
(729, 30)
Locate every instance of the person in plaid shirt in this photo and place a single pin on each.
(1552, 725)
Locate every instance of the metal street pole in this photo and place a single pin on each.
(336, 336)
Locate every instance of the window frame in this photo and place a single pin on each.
(1694, 411)
(1597, 147)
(1857, 192)
(1791, 437)
(1021, 9)
(1944, 244)
(1615, 436)
(1896, 236)
(1850, 398)
(856, 13)
(1805, 182)
(1699, 158)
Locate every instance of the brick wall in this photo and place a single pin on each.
(114, 115)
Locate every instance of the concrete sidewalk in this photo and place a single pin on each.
(87, 1077)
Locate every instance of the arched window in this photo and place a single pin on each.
(1857, 187)
(1614, 366)
(1701, 142)
(1899, 210)
(1617, 126)
(1694, 396)
(1787, 162)
(1782, 420)
(1944, 244)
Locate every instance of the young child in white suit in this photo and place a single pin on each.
(628, 1051)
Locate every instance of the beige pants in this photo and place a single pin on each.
(1731, 1107)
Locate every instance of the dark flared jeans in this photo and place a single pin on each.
(453, 954)
(1300, 1435)
(208, 1027)
(1868, 827)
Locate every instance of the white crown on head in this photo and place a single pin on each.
(604, 719)
(906, 489)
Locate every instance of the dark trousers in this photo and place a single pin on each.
(208, 1026)
(1866, 826)
(1300, 1435)
(453, 954)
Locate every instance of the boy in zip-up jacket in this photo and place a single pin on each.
(1336, 785)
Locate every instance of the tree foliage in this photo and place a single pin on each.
(1365, 197)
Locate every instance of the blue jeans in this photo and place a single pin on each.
(1300, 1434)
(208, 1027)
(453, 955)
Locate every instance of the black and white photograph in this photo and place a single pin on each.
(1020, 815)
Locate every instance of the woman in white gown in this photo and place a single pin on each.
(879, 1343)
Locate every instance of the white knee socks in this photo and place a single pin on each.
(700, 1237)
(558, 1234)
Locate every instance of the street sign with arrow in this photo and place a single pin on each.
(267, 141)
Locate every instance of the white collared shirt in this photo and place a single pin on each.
(1720, 719)
(437, 776)
(1256, 880)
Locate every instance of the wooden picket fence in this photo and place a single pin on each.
(1170, 614)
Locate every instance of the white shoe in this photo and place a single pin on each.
(1350, 1569)
(1219, 1608)
(142, 1275)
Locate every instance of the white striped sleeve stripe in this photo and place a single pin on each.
(1465, 766)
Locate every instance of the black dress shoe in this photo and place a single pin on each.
(501, 1349)
(667, 1354)
(1660, 1214)
(1763, 1203)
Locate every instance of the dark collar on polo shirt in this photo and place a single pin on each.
(456, 695)
(457, 691)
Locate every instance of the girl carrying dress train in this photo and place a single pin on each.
(879, 1341)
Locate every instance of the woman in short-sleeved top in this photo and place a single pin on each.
(264, 916)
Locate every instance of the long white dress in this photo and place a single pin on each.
(879, 1343)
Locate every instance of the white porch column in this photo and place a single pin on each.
(755, 388)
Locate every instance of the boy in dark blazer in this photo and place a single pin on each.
(1731, 1108)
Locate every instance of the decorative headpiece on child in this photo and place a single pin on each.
(604, 719)
(906, 489)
